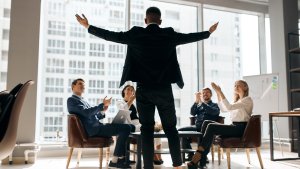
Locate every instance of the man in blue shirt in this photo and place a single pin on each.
(90, 118)
(203, 109)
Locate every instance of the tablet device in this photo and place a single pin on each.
(122, 117)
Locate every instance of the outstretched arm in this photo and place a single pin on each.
(182, 38)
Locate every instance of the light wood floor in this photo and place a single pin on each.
(238, 161)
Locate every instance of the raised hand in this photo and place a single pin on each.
(213, 27)
(83, 21)
(198, 97)
(106, 102)
(216, 87)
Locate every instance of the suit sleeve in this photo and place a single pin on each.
(118, 37)
(77, 107)
(182, 38)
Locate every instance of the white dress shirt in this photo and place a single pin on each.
(240, 111)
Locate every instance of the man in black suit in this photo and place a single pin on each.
(151, 61)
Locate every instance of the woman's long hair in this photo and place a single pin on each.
(246, 90)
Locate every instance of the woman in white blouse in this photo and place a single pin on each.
(240, 112)
(127, 103)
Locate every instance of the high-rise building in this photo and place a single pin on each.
(68, 51)
(4, 42)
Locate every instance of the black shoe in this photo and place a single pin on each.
(132, 162)
(158, 162)
(120, 164)
(191, 165)
(112, 165)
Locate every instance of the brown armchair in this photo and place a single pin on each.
(77, 138)
(250, 139)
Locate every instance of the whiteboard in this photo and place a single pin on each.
(264, 92)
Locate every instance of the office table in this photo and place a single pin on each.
(281, 114)
(137, 136)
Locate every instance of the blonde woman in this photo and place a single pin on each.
(240, 112)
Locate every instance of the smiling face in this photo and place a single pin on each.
(78, 87)
(127, 92)
(206, 94)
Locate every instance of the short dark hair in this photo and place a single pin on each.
(75, 82)
(153, 11)
(123, 91)
(208, 89)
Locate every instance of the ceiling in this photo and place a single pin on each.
(264, 2)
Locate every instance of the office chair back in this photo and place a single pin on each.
(8, 140)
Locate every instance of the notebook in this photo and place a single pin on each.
(122, 117)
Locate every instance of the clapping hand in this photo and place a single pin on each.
(106, 103)
(198, 97)
(83, 21)
(216, 87)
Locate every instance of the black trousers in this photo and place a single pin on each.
(186, 141)
(211, 128)
(147, 99)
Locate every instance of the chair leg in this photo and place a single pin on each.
(100, 157)
(248, 154)
(228, 157)
(107, 155)
(212, 153)
(69, 157)
(79, 156)
(134, 149)
(219, 154)
(222, 153)
(259, 157)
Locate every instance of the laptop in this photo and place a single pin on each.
(122, 117)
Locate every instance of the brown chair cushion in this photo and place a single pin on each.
(77, 137)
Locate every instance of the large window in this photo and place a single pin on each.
(232, 51)
(4, 41)
(69, 52)
(182, 18)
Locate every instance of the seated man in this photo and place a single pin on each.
(203, 109)
(90, 118)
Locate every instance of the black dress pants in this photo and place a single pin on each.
(149, 97)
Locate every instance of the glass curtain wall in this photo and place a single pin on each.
(69, 52)
(183, 18)
(232, 51)
(4, 41)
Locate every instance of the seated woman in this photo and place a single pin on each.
(240, 112)
(128, 94)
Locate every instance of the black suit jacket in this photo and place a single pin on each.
(151, 53)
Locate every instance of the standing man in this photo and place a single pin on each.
(151, 61)
(203, 109)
